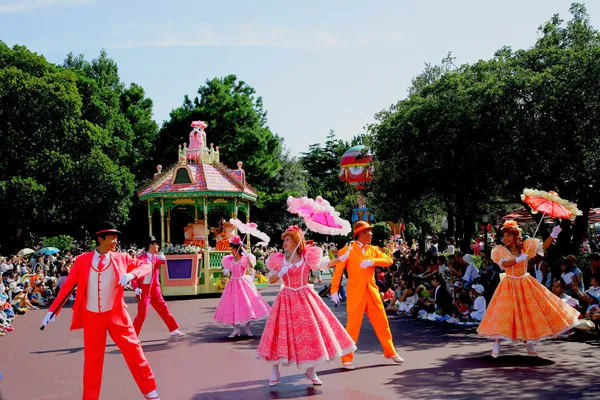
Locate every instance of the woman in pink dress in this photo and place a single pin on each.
(301, 329)
(240, 302)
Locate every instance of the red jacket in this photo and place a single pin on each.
(79, 275)
(137, 283)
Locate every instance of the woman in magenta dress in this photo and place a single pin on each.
(301, 329)
(240, 303)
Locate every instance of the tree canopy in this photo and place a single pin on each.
(478, 134)
(70, 144)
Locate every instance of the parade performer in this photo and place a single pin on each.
(147, 290)
(240, 302)
(301, 329)
(359, 259)
(100, 277)
(522, 308)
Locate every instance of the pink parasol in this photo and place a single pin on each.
(249, 229)
(319, 216)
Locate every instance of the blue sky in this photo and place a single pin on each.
(318, 65)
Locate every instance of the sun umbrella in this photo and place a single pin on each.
(550, 204)
(318, 215)
(249, 229)
(25, 252)
(48, 250)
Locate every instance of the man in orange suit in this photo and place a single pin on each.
(360, 259)
(100, 276)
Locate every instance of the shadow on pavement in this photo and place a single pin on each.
(527, 375)
(282, 391)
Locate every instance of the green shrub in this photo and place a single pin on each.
(61, 242)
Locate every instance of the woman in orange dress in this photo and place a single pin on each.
(522, 308)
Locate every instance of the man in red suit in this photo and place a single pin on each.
(100, 276)
(148, 290)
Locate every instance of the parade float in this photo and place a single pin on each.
(183, 202)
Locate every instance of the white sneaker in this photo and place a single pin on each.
(177, 333)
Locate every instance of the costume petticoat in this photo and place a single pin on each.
(522, 308)
(301, 329)
(240, 302)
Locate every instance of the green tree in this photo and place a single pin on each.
(66, 145)
(478, 134)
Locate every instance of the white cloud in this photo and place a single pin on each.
(21, 6)
(259, 35)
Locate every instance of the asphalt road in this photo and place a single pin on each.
(442, 362)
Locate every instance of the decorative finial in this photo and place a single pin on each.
(159, 168)
(211, 145)
(240, 164)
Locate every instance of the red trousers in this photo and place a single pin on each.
(155, 299)
(94, 344)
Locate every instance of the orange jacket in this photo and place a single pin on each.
(360, 280)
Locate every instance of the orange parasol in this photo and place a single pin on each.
(550, 204)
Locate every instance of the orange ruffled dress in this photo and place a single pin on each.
(522, 308)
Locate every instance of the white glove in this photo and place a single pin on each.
(347, 253)
(225, 272)
(335, 297)
(162, 257)
(366, 263)
(555, 231)
(284, 271)
(522, 257)
(138, 292)
(50, 317)
(126, 278)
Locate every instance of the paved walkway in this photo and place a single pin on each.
(442, 362)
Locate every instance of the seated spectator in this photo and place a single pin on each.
(592, 295)
(441, 297)
(472, 273)
(558, 288)
(20, 300)
(462, 303)
(569, 274)
(479, 304)
(450, 249)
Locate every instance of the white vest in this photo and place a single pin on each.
(102, 286)
(148, 278)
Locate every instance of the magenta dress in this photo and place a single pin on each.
(301, 329)
(240, 303)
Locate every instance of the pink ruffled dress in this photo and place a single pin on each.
(301, 329)
(240, 302)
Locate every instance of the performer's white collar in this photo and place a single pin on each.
(297, 264)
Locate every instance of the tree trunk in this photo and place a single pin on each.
(468, 230)
(451, 224)
(581, 222)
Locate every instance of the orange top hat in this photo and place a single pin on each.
(361, 226)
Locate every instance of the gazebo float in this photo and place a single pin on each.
(201, 189)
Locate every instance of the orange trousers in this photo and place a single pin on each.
(378, 320)
(94, 344)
